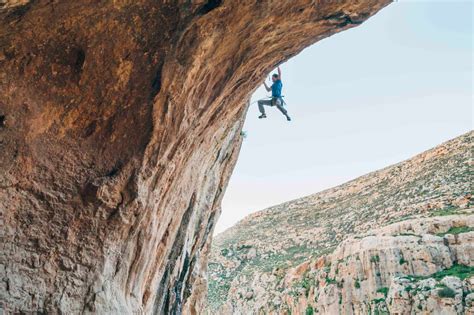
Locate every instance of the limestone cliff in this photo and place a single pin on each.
(119, 127)
(330, 253)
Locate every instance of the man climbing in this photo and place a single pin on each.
(276, 99)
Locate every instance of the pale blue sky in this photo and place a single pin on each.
(360, 100)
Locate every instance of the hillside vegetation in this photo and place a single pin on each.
(250, 262)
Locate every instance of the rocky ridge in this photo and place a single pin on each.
(326, 253)
(420, 266)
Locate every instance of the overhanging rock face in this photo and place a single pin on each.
(119, 128)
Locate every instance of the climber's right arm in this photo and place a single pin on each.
(267, 87)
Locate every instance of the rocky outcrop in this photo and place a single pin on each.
(119, 127)
(326, 254)
(421, 266)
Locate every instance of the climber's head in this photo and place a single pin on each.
(275, 77)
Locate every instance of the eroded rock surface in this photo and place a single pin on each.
(324, 253)
(422, 266)
(119, 127)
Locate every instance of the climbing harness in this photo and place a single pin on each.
(271, 97)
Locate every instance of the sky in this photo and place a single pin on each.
(360, 100)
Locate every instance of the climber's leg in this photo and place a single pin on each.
(279, 104)
(262, 103)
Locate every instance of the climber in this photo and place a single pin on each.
(276, 99)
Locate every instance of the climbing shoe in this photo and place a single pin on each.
(262, 116)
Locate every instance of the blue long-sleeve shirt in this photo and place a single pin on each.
(276, 88)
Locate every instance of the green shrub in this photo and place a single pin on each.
(306, 284)
(460, 271)
(456, 270)
(449, 210)
(357, 284)
(375, 259)
(402, 261)
(329, 280)
(383, 290)
(457, 230)
(309, 310)
(446, 293)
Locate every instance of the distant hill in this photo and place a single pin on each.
(276, 260)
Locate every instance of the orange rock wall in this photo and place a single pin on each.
(120, 126)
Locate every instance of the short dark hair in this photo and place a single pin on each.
(275, 75)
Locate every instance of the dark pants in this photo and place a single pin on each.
(272, 102)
